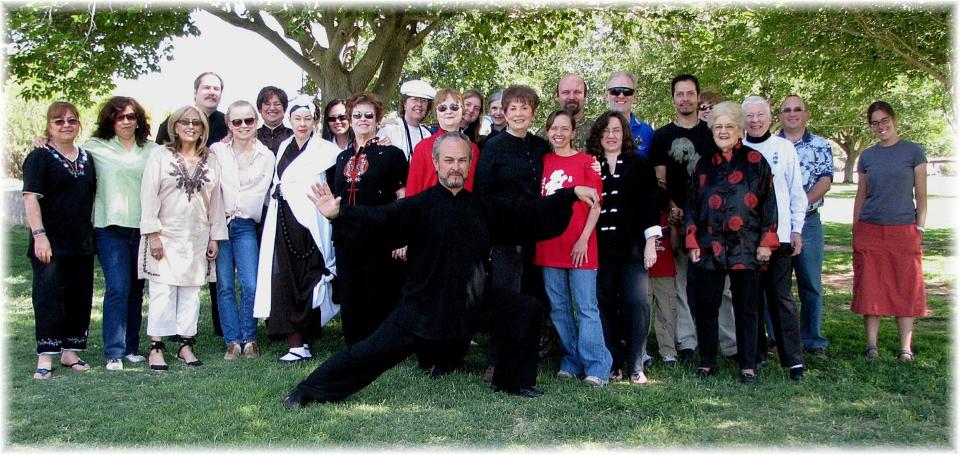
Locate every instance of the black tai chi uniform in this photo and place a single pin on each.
(449, 238)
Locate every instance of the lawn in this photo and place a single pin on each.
(845, 401)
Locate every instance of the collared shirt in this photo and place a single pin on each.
(404, 136)
(642, 135)
(244, 190)
(787, 182)
(272, 137)
(119, 172)
(816, 161)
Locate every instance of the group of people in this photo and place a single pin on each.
(419, 236)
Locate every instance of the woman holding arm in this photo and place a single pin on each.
(181, 222)
(59, 183)
(889, 214)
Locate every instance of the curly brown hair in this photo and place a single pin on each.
(107, 119)
(365, 97)
(594, 146)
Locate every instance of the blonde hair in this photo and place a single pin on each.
(178, 114)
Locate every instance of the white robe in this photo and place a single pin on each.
(305, 170)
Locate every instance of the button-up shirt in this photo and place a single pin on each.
(816, 161)
(244, 190)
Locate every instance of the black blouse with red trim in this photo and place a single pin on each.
(731, 209)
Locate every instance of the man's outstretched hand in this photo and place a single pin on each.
(323, 199)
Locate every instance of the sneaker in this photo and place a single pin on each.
(638, 378)
(251, 350)
(114, 365)
(134, 358)
(563, 374)
(796, 374)
(233, 351)
(616, 375)
(594, 381)
(647, 361)
(819, 353)
(669, 360)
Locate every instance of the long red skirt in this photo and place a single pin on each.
(887, 270)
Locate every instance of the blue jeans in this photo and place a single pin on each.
(240, 252)
(808, 265)
(575, 291)
(123, 293)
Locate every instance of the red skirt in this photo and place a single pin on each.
(887, 270)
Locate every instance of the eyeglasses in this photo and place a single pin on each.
(617, 91)
(72, 121)
(249, 121)
(338, 118)
(454, 107)
(884, 121)
(613, 132)
(706, 107)
(190, 122)
(131, 117)
(730, 126)
(788, 110)
(359, 115)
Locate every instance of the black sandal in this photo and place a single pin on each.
(184, 342)
(159, 347)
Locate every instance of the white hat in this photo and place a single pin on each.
(301, 101)
(418, 88)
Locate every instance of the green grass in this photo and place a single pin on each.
(846, 400)
(849, 191)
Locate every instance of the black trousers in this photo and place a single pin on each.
(745, 286)
(62, 299)
(368, 290)
(776, 282)
(510, 318)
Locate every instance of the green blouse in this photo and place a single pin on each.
(118, 181)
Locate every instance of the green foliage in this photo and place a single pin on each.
(72, 52)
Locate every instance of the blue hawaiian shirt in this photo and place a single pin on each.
(816, 160)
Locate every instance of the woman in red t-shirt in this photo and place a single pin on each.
(570, 260)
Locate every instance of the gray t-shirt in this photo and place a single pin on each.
(890, 182)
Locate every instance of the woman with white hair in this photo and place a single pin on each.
(296, 264)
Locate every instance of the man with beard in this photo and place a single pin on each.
(572, 97)
(416, 98)
(675, 150)
(449, 231)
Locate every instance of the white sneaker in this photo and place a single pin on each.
(669, 360)
(134, 358)
(563, 374)
(638, 378)
(594, 381)
(114, 364)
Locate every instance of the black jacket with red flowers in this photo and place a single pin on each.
(731, 209)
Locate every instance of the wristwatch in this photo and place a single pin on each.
(37, 232)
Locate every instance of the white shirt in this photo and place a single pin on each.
(398, 136)
(787, 184)
(244, 191)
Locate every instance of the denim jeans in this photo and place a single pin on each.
(622, 297)
(123, 293)
(240, 252)
(574, 291)
(808, 265)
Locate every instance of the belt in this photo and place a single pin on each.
(812, 213)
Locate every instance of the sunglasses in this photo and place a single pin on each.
(454, 107)
(617, 91)
(338, 118)
(128, 117)
(249, 121)
(706, 107)
(788, 110)
(190, 122)
(70, 121)
(359, 115)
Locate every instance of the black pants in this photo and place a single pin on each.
(777, 282)
(624, 311)
(62, 299)
(744, 284)
(511, 318)
(368, 290)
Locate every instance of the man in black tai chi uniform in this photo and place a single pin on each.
(449, 232)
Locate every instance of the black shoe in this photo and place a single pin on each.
(526, 392)
(703, 373)
(687, 356)
(819, 353)
(796, 374)
(748, 379)
(437, 372)
(296, 399)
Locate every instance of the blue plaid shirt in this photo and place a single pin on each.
(816, 160)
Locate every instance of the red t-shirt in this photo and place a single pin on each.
(423, 175)
(664, 267)
(566, 172)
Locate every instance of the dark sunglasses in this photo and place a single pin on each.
(617, 91)
(338, 118)
(69, 121)
(250, 121)
(359, 115)
(706, 107)
(190, 122)
(454, 107)
(788, 110)
(128, 117)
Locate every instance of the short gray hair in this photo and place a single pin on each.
(751, 100)
(495, 96)
(623, 74)
(447, 136)
(728, 108)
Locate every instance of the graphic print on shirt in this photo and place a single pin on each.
(555, 182)
(683, 152)
(190, 184)
(356, 166)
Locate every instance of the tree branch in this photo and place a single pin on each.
(258, 26)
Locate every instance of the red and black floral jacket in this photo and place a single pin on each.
(731, 209)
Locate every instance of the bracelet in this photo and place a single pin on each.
(921, 229)
(37, 232)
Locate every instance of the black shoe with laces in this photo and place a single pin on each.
(296, 399)
(525, 392)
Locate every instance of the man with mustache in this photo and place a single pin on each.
(449, 231)
(571, 95)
